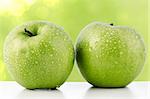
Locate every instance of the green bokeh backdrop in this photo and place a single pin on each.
(73, 15)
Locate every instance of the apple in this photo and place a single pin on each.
(39, 54)
(108, 55)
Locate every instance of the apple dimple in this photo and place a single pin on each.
(111, 24)
(29, 33)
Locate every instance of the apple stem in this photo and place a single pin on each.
(28, 32)
(111, 24)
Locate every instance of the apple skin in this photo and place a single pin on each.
(41, 60)
(109, 56)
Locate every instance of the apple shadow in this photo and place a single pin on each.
(40, 94)
(109, 93)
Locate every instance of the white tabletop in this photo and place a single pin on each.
(75, 90)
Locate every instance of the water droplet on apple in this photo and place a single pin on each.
(114, 47)
(42, 40)
(53, 48)
(64, 39)
(57, 33)
(52, 62)
(107, 41)
(121, 53)
(42, 52)
(90, 49)
(124, 45)
(46, 45)
(106, 45)
(32, 51)
(103, 54)
(116, 62)
(96, 56)
(36, 62)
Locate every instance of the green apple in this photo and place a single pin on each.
(39, 54)
(108, 55)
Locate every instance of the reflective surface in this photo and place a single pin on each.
(76, 90)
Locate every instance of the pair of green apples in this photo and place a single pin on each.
(40, 54)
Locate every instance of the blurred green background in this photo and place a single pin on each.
(73, 15)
